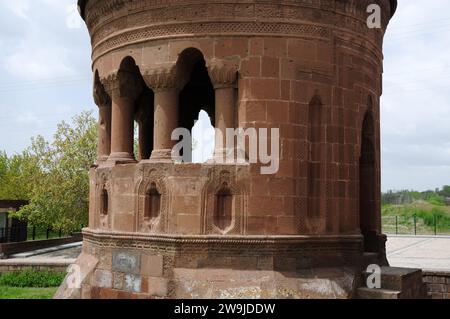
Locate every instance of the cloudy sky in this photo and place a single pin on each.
(45, 78)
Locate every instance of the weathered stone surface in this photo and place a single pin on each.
(126, 262)
(102, 279)
(132, 283)
(152, 265)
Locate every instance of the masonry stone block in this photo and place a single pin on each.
(126, 262)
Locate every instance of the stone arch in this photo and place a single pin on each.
(368, 184)
(103, 197)
(143, 108)
(316, 164)
(196, 90)
(152, 203)
(104, 202)
(222, 218)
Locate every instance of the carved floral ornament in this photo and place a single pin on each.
(123, 84)
(161, 79)
(222, 75)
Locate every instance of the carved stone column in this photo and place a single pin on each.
(123, 87)
(166, 89)
(103, 102)
(223, 78)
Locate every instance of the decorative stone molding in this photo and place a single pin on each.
(232, 244)
(188, 30)
(122, 84)
(149, 176)
(222, 75)
(235, 180)
(161, 79)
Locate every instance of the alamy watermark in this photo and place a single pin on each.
(374, 18)
(374, 279)
(249, 145)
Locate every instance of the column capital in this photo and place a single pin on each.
(101, 98)
(122, 84)
(162, 79)
(223, 75)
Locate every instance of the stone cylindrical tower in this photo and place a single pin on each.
(161, 228)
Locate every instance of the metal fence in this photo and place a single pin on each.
(414, 225)
(20, 234)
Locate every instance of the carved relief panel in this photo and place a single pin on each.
(152, 201)
(225, 203)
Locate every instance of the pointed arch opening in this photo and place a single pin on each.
(197, 92)
(223, 211)
(367, 185)
(152, 207)
(135, 107)
(203, 138)
(104, 202)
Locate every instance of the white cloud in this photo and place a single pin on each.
(19, 7)
(44, 64)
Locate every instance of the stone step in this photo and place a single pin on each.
(399, 279)
(367, 293)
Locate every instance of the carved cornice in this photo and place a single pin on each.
(222, 75)
(234, 240)
(122, 84)
(161, 79)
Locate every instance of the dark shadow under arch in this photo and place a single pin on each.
(367, 185)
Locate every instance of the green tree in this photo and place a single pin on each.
(16, 174)
(59, 194)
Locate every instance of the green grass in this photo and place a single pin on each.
(426, 212)
(30, 284)
(26, 293)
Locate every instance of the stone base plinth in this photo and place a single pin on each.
(133, 265)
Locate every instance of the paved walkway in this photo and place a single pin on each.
(430, 253)
(63, 255)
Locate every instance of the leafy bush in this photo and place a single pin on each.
(436, 200)
(32, 279)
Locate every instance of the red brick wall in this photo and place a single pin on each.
(438, 284)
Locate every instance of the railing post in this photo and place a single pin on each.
(396, 224)
(60, 232)
(435, 225)
(48, 233)
(34, 233)
(415, 225)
